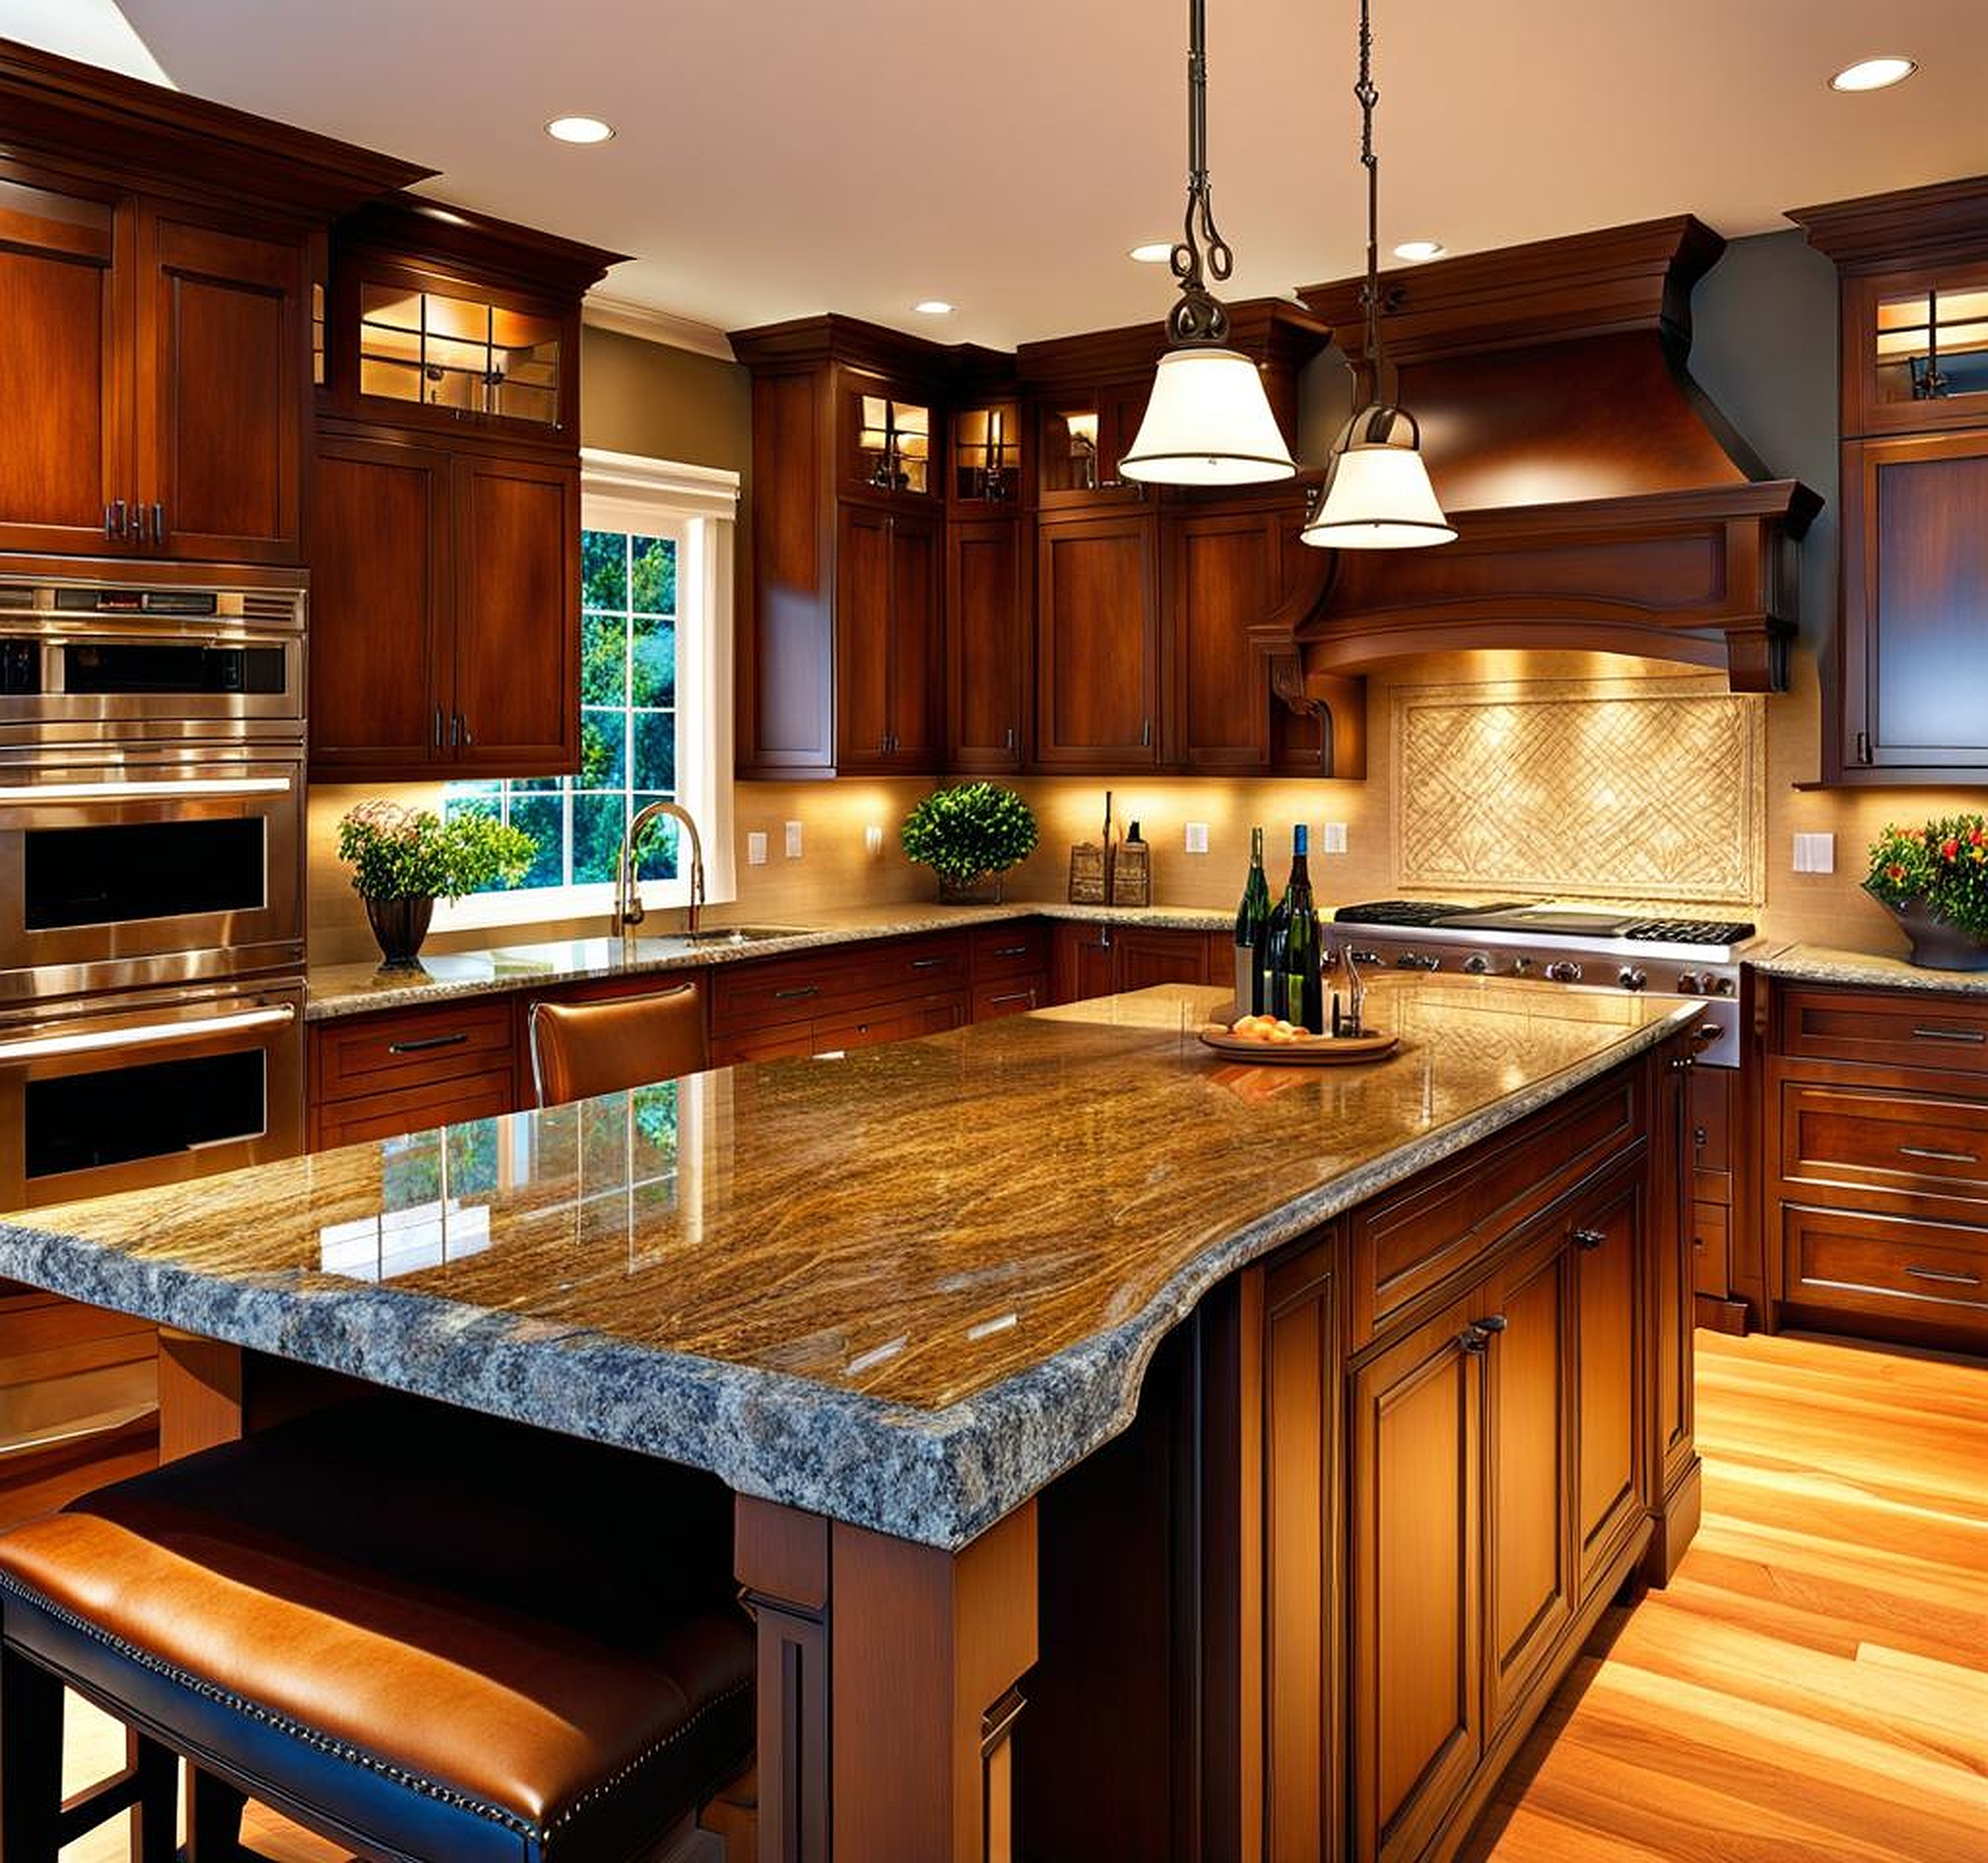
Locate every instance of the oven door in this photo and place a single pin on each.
(148, 870)
(151, 1089)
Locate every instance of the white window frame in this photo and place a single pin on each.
(699, 505)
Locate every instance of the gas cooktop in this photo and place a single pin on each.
(1547, 919)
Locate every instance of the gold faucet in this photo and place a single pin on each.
(629, 910)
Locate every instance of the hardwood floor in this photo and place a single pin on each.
(1812, 1688)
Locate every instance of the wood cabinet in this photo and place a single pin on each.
(1874, 1110)
(887, 640)
(405, 1071)
(987, 656)
(1091, 958)
(1225, 575)
(156, 359)
(1082, 431)
(1098, 644)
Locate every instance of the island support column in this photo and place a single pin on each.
(888, 1686)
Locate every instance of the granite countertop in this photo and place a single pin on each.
(1862, 969)
(904, 1287)
(341, 989)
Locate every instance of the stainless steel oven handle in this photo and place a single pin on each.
(144, 789)
(147, 1035)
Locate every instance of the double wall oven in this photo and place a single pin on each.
(151, 874)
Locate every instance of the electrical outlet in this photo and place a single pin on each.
(873, 840)
(1815, 853)
(1197, 838)
(793, 840)
(756, 850)
(1334, 839)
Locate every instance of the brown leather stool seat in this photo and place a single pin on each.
(425, 1634)
(581, 1050)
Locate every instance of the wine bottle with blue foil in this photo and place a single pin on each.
(1252, 932)
(1294, 948)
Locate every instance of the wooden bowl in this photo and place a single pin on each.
(1320, 1051)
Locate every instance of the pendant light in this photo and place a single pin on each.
(1208, 421)
(1377, 494)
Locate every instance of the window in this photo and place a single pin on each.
(655, 659)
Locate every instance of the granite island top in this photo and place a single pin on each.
(341, 989)
(904, 1287)
(1867, 970)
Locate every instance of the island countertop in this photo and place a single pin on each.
(905, 1288)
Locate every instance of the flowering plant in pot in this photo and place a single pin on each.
(1934, 880)
(970, 836)
(403, 860)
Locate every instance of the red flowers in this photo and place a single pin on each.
(1894, 871)
(1950, 850)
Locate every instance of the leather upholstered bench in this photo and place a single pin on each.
(422, 1633)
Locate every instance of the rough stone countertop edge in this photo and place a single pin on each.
(938, 1477)
(329, 1004)
(1866, 970)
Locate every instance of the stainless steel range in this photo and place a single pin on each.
(1591, 947)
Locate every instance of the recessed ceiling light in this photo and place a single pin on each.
(579, 129)
(1415, 251)
(932, 307)
(1874, 73)
(1155, 252)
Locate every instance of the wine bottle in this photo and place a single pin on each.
(1252, 928)
(1293, 948)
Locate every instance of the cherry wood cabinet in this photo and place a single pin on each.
(888, 648)
(1224, 573)
(1098, 644)
(986, 647)
(1091, 958)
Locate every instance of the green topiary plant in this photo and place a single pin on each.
(970, 833)
(411, 853)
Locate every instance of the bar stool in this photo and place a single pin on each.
(423, 1634)
(579, 1049)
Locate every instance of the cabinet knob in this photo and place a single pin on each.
(1587, 1238)
(1479, 1334)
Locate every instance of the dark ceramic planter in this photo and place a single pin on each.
(1937, 944)
(983, 890)
(401, 925)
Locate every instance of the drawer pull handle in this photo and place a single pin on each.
(1944, 1278)
(1589, 1237)
(1027, 996)
(927, 963)
(1943, 1156)
(795, 995)
(427, 1042)
(1976, 1035)
(1012, 951)
(1481, 1332)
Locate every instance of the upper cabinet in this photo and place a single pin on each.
(1901, 698)
(1083, 432)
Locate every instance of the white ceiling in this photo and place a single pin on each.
(782, 157)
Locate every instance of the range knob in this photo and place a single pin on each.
(1415, 960)
(1477, 964)
(1690, 984)
(1720, 986)
(1521, 967)
(1631, 978)
(1566, 971)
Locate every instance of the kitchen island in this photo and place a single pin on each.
(1405, 1345)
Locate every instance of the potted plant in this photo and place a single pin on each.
(970, 836)
(403, 860)
(1934, 880)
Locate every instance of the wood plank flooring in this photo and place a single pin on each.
(1812, 1688)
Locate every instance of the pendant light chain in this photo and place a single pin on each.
(1369, 95)
(1200, 316)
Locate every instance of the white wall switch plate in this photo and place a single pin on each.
(1815, 853)
(1197, 838)
(755, 850)
(1334, 839)
(793, 840)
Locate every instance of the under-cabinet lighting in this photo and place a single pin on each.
(123, 790)
(89, 1041)
(580, 130)
(1874, 73)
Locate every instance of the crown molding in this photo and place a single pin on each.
(653, 326)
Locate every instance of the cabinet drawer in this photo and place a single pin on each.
(1009, 951)
(1010, 996)
(1407, 1241)
(372, 1054)
(415, 1108)
(1937, 1271)
(33, 1323)
(864, 976)
(901, 1022)
(1893, 1027)
(1885, 1140)
(1711, 1250)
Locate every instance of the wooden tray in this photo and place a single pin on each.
(1332, 1051)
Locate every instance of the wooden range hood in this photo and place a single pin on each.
(1600, 500)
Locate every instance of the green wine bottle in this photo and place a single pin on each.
(1252, 929)
(1294, 948)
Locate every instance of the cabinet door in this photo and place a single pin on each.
(1097, 659)
(1916, 605)
(1149, 957)
(515, 653)
(917, 734)
(380, 622)
(1527, 1429)
(222, 387)
(1082, 962)
(862, 676)
(1606, 1233)
(64, 367)
(986, 665)
(1224, 580)
(1416, 1439)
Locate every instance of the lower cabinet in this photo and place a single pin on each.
(1092, 959)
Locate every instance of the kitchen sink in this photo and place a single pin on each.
(730, 934)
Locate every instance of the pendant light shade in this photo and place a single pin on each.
(1208, 423)
(1377, 494)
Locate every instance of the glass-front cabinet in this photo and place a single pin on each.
(987, 455)
(1916, 349)
(1082, 434)
(889, 437)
